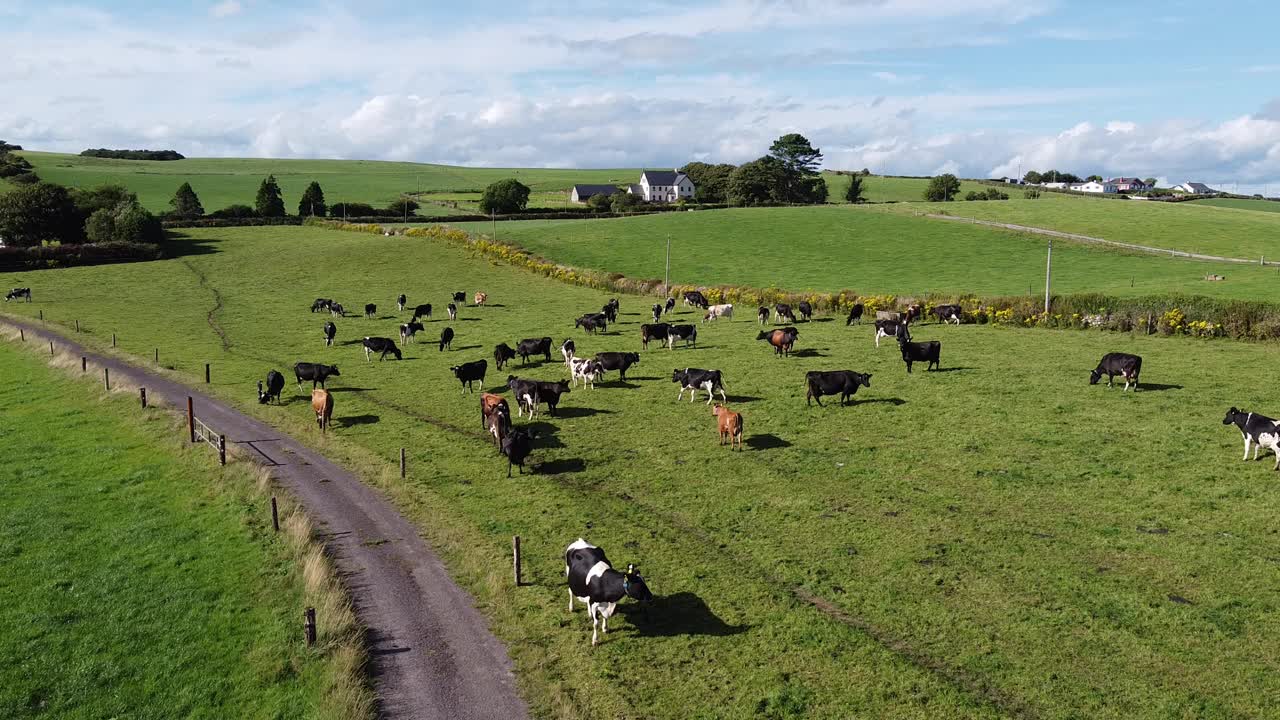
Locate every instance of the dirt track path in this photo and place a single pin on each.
(432, 653)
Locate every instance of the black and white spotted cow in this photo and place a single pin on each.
(592, 323)
(948, 313)
(657, 312)
(409, 331)
(610, 312)
(401, 301)
(782, 311)
(806, 310)
(382, 346)
(588, 370)
(1259, 431)
(330, 331)
(696, 299)
(762, 314)
(526, 394)
(275, 385)
(460, 297)
(1122, 364)
(19, 294)
(855, 315)
(669, 306)
(321, 304)
(592, 580)
(337, 309)
(567, 350)
(687, 333)
(694, 379)
(453, 311)
(892, 329)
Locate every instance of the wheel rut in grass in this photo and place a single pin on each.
(217, 305)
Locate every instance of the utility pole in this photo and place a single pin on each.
(666, 278)
(493, 219)
(1048, 273)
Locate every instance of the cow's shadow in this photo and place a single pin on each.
(1156, 387)
(467, 347)
(736, 399)
(545, 434)
(577, 412)
(823, 320)
(766, 441)
(357, 341)
(869, 401)
(683, 613)
(353, 420)
(808, 353)
(953, 369)
(563, 465)
(351, 389)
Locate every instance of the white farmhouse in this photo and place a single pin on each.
(1093, 186)
(663, 186)
(1195, 188)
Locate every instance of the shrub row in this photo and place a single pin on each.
(55, 256)
(232, 222)
(1192, 315)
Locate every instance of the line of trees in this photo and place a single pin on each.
(15, 168)
(789, 174)
(44, 213)
(269, 203)
(133, 154)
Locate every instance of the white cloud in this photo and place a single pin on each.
(226, 8)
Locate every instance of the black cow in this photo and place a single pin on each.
(460, 297)
(314, 372)
(422, 311)
(534, 346)
(687, 333)
(855, 315)
(619, 361)
(516, 446)
(19, 293)
(526, 394)
(610, 313)
(762, 314)
(782, 311)
(446, 339)
(502, 352)
(409, 331)
(468, 373)
(806, 310)
(834, 382)
(948, 313)
(893, 329)
(337, 309)
(655, 331)
(693, 379)
(370, 310)
(593, 581)
(549, 393)
(275, 385)
(696, 299)
(592, 323)
(1123, 364)
(321, 304)
(657, 312)
(382, 346)
(913, 352)
(330, 330)
(782, 339)
(453, 311)
(669, 306)
(401, 301)
(1255, 428)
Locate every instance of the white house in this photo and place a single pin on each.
(1195, 188)
(1129, 184)
(1093, 186)
(663, 186)
(1056, 185)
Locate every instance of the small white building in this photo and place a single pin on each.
(663, 186)
(1055, 185)
(1195, 188)
(1093, 186)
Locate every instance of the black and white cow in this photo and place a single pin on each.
(370, 310)
(330, 331)
(321, 304)
(446, 339)
(657, 312)
(782, 311)
(592, 580)
(806, 310)
(693, 379)
(314, 372)
(762, 314)
(275, 385)
(19, 294)
(1257, 430)
(382, 346)
(913, 352)
(653, 331)
(893, 329)
(567, 350)
(855, 315)
(610, 312)
(948, 313)
(619, 361)
(833, 382)
(502, 352)
(1122, 364)
(516, 446)
(468, 373)
(409, 331)
(460, 297)
(422, 311)
(526, 394)
(453, 311)
(588, 370)
(696, 299)
(592, 323)
(337, 309)
(401, 301)
(669, 305)
(687, 333)
(534, 346)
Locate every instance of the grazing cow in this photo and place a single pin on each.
(687, 333)
(549, 393)
(914, 311)
(833, 382)
(534, 346)
(422, 311)
(446, 339)
(330, 330)
(320, 304)
(322, 403)
(516, 446)
(891, 328)
(920, 352)
(806, 310)
(409, 331)
(692, 379)
(762, 314)
(498, 423)
(337, 309)
(610, 312)
(948, 313)
(370, 310)
(314, 372)
(729, 424)
(669, 305)
(526, 394)
(855, 315)
(567, 350)
(657, 312)
(468, 373)
(593, 580)
(781, 339)
(488, 403)
(655, 331)
(453, 311)
(275, 385)
(619, 361)
(1255, 428)
(382, 346)
(401, 301)
(718, 311)
(696, 299)
(460, 297)
(480, 298)
(1123, 364)
(19, 293)
(586, 369)
(502, 352)
(782, 311)
(592, 323)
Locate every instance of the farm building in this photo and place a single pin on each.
(1129, 184)
(1093, 186)
(580, 193)
(1195, 188)
(663, 186)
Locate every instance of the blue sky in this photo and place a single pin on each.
(1178, 90)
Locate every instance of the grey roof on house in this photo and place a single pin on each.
(589, 190)
(1130, 180)
(662, 177)
(1198, 187)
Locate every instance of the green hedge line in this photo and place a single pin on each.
(14, 259)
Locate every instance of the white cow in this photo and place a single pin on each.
(718, 311)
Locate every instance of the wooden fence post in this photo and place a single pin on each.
(106, 378)
(402, 464)
(206, 373)
(22, 334)
(113, 339)
(222, 449)
(51, 347)
(309, 625)
(275, 514)
(41, 316)
(143, 393)
(77, 326)
(515, 557)
(84, 364)
(191, 420)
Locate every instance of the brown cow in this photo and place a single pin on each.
(322, 403)
(730, 425)
(495, 416)
(480, 298)
(781, 339)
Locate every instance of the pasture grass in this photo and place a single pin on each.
(1242, 204)
(141, 580)
(880, 188)
(867, 250)
(999, 539)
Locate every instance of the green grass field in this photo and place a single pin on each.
(136, 579)
(868, 250)
(1238, 204)
(896, 189)
(996, 540)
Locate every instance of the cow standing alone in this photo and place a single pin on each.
(322, 403)
(593, 580)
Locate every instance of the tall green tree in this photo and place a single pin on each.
(32, 214)
(710, 182)
(857, 186)
(269, 203)
(1093, 178)
(402, 207)
(759, 181)
(1151, 182)
(505, 197)
(103, 197)
(185, 203)
(942, 188)
(1032, 178)
(797, 154)
(312, 202)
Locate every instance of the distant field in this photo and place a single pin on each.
(1237, 204)
(133, 581)
(868, 249)
(897, 189)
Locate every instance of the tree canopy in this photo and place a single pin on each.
(269, 202)
(942, 188)
(760, 181)
(505, 197)
(312, 202)
(856, 189)
(796, 154)
(710, 182)
(32, 214)
(402, 207)
(185, 203)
